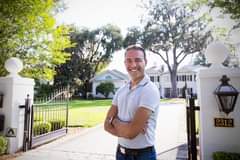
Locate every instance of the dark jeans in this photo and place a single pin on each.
(149, 155)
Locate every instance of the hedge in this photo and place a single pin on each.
(56, 124)
(226, 156)
(40, 127)
(3, 145)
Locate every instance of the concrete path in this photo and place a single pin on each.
(96, 144)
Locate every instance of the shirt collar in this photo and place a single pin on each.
(143, 82)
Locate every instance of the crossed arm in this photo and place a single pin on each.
(127, 130)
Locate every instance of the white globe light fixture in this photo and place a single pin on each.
(216, 53)
(13, 66)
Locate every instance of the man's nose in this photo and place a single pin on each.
(133, 64)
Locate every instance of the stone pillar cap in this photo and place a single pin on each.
(216, 53)
(13, 65)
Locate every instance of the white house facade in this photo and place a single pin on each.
(154, 74)
(186, 77)
(114, 76)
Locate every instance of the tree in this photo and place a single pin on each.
(171, 31)
(230, 7)
(28, 31)
(92, 52)
(226, 7)
(200, 59)
(133, 36)
(105, 88)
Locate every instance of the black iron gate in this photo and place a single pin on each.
(192, 127)
(46, 119)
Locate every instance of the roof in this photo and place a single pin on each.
(154, 69)
(188, 68)
(117, 75)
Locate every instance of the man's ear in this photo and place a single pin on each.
(145, 61)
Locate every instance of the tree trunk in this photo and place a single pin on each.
(173, 77)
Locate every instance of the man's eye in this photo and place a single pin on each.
(129, 61)
(138, 60)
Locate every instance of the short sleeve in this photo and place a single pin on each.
(150, 98)
(115, 99)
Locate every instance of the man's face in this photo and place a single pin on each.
(135, 64)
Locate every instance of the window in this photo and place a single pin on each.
(152, 78)
(167, 92)
(184, 77)
(108, 77)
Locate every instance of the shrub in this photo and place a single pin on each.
(56, 124)
(3, 145)
(40, 127)
(105, 88)
(226, 156)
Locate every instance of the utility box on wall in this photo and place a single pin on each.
(2, 117)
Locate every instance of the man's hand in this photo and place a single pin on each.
(131, 129)
(108, 120)
(144, 130)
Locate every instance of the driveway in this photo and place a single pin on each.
(96, 144)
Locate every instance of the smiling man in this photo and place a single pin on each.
(133, 114)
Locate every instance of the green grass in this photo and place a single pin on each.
(87, 113)
(89, 103)
(172, 100)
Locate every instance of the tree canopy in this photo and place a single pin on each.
(28, 31)
(230, 7)
(171, 31)
(92, 52)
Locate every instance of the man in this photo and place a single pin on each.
(133, 114)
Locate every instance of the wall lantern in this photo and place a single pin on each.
(1, 100)
(226, 95)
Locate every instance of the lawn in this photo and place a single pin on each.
(87, 113)
(172, 100)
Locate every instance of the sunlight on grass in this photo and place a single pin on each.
(87, 113)
(172, 100)
(87, 117)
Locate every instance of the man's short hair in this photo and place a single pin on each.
(136, 47)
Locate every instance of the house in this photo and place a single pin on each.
(116, 77)
(186, 77)
(154, 74)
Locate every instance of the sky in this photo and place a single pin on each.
(96, 13)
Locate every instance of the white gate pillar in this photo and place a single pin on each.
(15, 89)
(214, 138)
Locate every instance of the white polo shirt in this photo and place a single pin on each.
(145, 94)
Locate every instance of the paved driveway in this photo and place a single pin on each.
(96, 144)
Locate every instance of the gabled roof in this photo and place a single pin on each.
(188, 68)
(115, 74)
